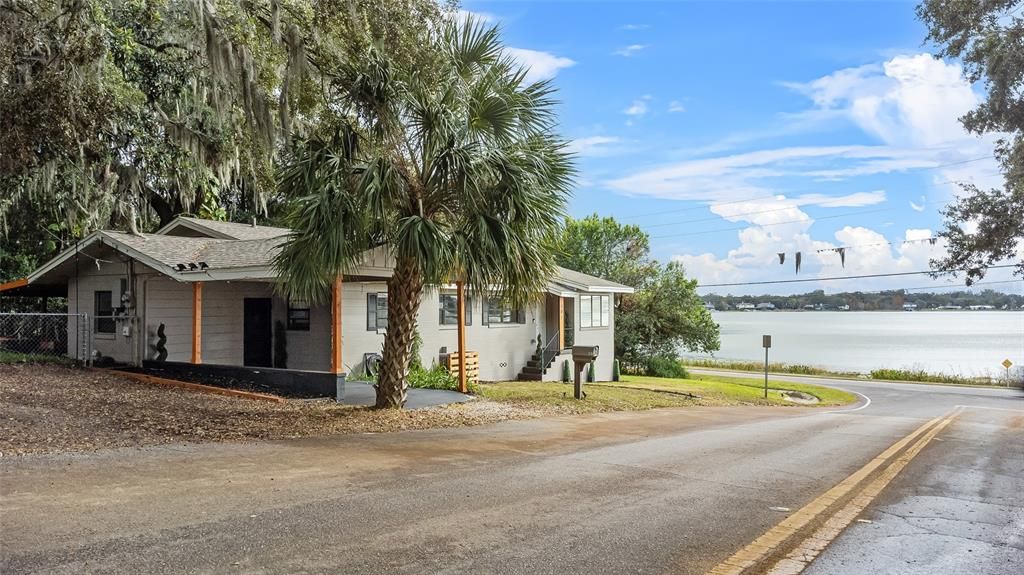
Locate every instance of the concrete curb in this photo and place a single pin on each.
(143, 378)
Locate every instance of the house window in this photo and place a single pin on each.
(104, 309)
(449, 310)
(298, 315)
(595, 311)
(497, 312)
(376, 311)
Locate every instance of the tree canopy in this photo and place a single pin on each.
(130, 112)
(985, 227)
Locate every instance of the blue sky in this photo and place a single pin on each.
(732, 131)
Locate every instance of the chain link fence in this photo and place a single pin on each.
(44, 336)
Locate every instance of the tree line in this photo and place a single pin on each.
(872, 301)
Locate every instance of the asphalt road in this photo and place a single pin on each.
(667, 491)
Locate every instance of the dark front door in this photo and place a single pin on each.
(257, 343)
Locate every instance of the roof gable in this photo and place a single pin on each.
(184, 226)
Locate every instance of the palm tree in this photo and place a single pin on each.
(455, 170)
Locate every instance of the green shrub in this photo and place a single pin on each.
(436, 377)
(566, 371)
(616, 374)
(415, 360)
(590, 371)
(665, 366)
(759, 367)
(918, 375)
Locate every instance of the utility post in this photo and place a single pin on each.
(766, 341)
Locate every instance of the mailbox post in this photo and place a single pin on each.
(581, 356)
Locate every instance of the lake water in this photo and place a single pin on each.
(960, 342)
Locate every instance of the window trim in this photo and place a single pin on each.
(295, 323)
(455, 321)
(604, 311)
(517, 315)
(104, 321)
(374, 323)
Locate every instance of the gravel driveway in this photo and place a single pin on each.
(57, 409)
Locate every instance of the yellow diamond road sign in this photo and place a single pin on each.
(1007, 363)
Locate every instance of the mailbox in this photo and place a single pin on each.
(581, 356)
(585, 353)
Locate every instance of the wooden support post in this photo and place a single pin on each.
(561, 323)
(461, 318)
(197, 322)
(336, 293)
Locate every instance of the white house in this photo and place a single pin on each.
(211, 286)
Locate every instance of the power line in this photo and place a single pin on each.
(834, 278)
(900, 242)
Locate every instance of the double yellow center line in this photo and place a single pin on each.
(781, 537)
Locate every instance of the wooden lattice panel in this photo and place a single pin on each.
(472, 365)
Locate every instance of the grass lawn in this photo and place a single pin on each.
(638, 392)
(16, 357)
(558, 397)
(741, 389)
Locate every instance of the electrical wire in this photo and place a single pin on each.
(834, 278)
(900, 242)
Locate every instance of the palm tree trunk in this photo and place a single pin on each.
(405, 290)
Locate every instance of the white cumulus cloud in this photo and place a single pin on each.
(631, 50)
(593, 145)
(540, 65)
(638, 108)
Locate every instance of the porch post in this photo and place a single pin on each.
(336, 292)
(561, 323)
(197, 322)
(461, 318)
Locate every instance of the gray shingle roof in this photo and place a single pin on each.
(217, 253)
(241, 253)
(575, 279)
(246, 252)
(168, 250)
(238, 231)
